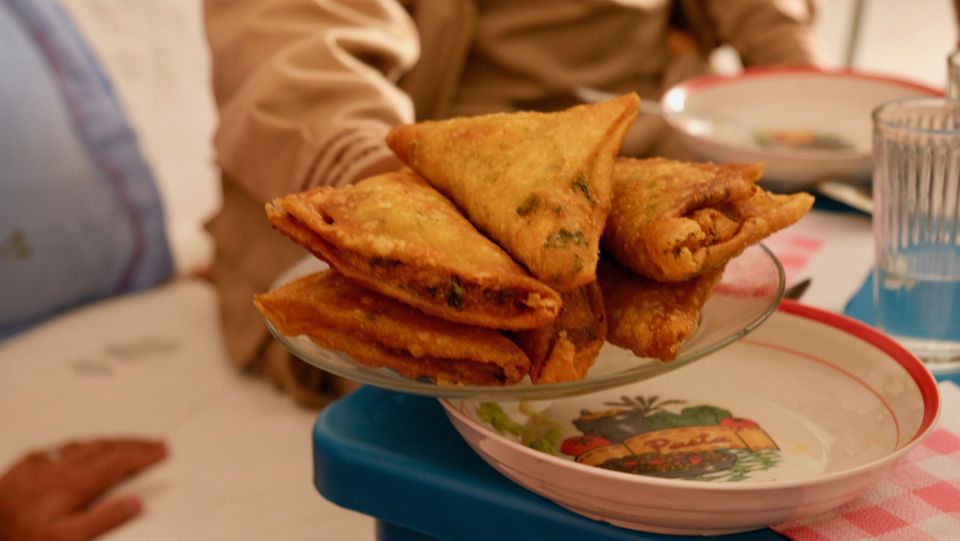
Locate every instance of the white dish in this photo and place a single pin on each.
(748, 293)
(801, 417)
(718, 117)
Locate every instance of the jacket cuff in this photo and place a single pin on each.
(348, 153)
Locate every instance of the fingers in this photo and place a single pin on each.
(52, 494)
(117, 460)
(97, 466)
(99, 519)
(32, 459)
(77, 452)
(81, 452)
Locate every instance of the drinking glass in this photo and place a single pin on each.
(916, 224)
(953, 75)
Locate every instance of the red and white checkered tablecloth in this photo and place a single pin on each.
(918, 500)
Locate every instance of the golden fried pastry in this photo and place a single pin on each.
(652, 319)
(397, 235)
(377, 331)
(566, 349)
(537, 183)
(671, 221)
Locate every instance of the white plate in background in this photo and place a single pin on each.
(718, 117)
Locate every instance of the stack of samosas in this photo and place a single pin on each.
(481, 264)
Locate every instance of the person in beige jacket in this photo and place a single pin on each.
(307, 89)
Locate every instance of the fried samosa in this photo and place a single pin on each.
(397, 235)
(377, 331)
(567, 348)
(672, 221)
(537, 183)
(652, 319)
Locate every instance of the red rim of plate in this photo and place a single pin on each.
(926, 385)
(701, 83)
(913, 366)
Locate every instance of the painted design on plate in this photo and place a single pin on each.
(649, 436)
(539, 432)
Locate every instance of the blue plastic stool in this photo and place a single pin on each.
(397, 458)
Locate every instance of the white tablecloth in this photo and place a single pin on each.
(152, 364)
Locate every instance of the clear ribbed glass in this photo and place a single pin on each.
(916, 183)
(953, 75)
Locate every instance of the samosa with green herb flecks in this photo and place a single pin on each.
(566, 349)
(377, 331)
(652, 319)
(538, 184)
(397, 235)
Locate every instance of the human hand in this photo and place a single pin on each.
(50, 496)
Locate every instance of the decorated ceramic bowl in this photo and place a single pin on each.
(800, 417)
(806, 124)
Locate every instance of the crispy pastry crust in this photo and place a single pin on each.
(672, 221)
(397, 235)
(566, 349)
(378, 331)
(652, 319)
(537, 183)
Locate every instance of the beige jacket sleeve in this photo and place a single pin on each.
(764, 32)
(306, 88)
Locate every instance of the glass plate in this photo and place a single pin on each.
(749, 292)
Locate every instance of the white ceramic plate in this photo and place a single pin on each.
(718, 115)
(801, 417)
(748, 293)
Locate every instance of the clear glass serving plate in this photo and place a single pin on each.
(749, 292)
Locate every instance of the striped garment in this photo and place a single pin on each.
(80, 216)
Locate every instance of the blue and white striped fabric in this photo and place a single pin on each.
(80, 215)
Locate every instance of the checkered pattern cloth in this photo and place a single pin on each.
(919, 500)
